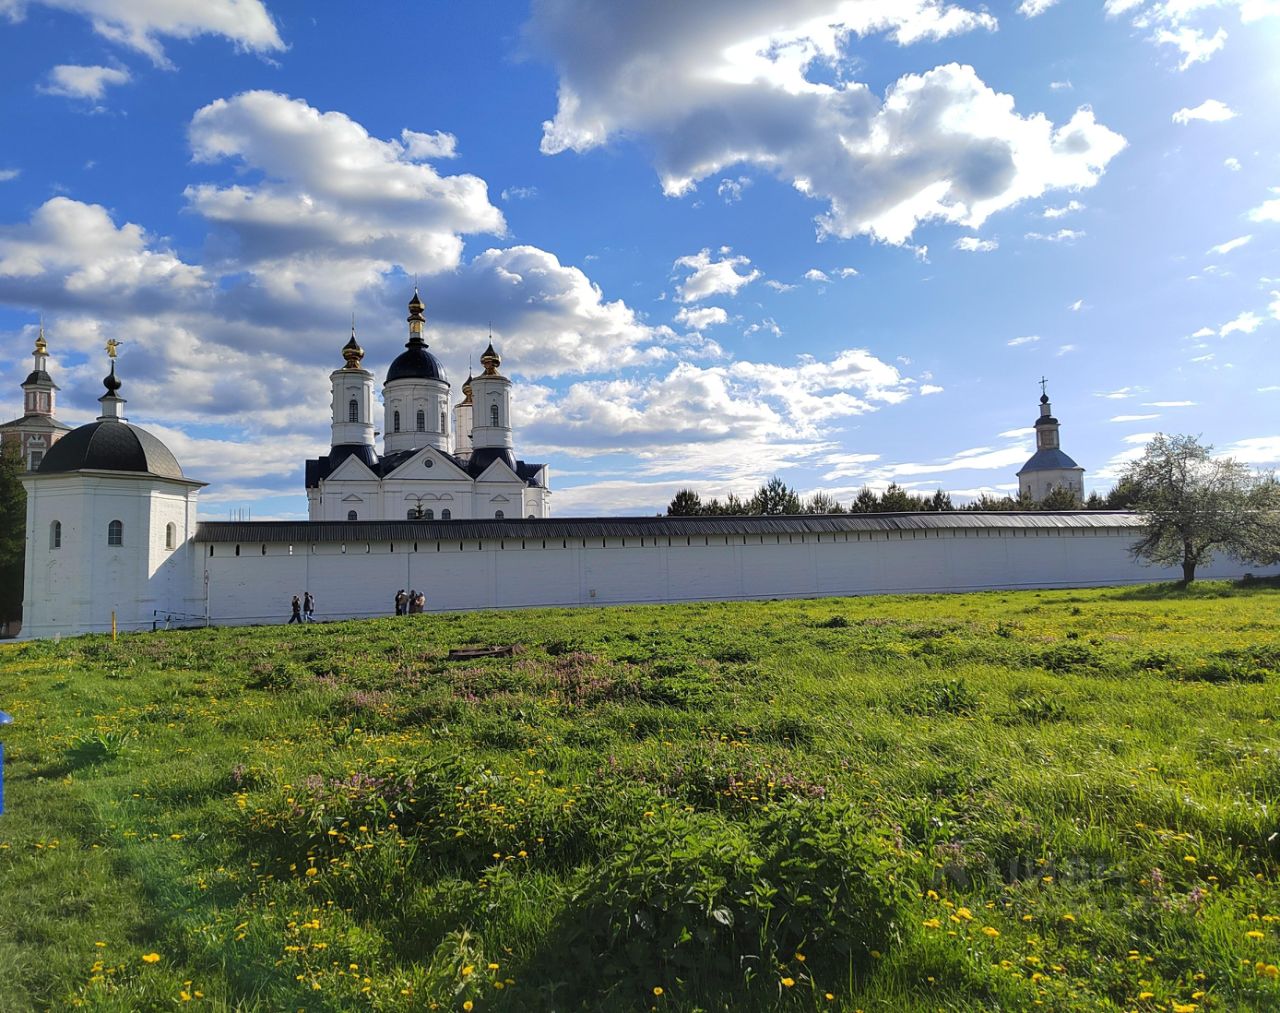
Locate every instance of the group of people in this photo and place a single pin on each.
(304, 608)
(410, 603)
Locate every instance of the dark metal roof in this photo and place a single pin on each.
(39, 376)
(636, 527)
(322, 467)
(1048, 460)
(38, 421)
(109, 445)
(416, 363)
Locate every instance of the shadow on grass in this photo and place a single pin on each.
(1175, 590)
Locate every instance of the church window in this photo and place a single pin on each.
(445, 514)
(395, 422)
(115, 533)
(353, 410)
(170, 535)
(493, 414)
(55, 535)
(36, 457)
(497, 514)
(351, 515)
(422, 420)
(428, 514)
(444, 422)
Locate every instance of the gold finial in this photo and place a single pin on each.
(42, 347)
(352, 351)
(112, 345)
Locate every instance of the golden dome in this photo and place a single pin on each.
(490, 360)
(352, 352)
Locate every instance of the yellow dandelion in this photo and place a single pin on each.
(800, 957)
(468, 1006)
(788, 982)
(151, 958)
(1254, 934)
(932, 923)
(468, 969)
(313, 871)
(1068, 917)
(965, 913)
(1143, 996)
(657, 990)
(991, 932)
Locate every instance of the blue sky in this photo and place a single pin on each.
(834, 240)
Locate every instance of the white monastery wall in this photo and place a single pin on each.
(513, 573)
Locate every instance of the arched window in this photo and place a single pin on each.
(55, 535)
(493, 414)
(351, 515)
(497, 514)
(414, 514)
(353, 410)
(170, 535)
(395, 421)
(429, 514)
(445, 514)
(115, 533)
(444, 422)
(421, 420)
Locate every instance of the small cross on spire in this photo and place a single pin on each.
(1043, 385)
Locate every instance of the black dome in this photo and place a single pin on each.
(416, 363)
(110, 446)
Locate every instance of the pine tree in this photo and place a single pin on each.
(685, 503)
(13, 533)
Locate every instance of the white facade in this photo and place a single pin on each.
(1049, 469)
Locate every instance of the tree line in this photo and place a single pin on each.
(776, 497)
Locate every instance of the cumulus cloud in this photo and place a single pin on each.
(701, 318)
(1245, 323)
(1180, 23)
(730, 190)
(972, 244)
(519, 193)
(141, 25)
(813, 274)
(846, 272)
(326, 209)
(708, 277)
(735, 88)
(424, 147)
(1066, 209)
(1232, 163)
(1034, 8)
(1229, 245)
(1210, 110)
(1267, 211)
(7, 174)
(1256, 450)
(1194, 45)
(91, 83)
(1026, 339)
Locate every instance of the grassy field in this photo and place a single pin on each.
(1067, 799)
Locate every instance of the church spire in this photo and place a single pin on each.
(416, 319)
(112, 403)
(352, 351)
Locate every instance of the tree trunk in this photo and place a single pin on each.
(1188, 570)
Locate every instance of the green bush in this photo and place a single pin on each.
(716, 912)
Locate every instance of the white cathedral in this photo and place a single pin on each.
(435, 463)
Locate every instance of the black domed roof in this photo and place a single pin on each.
(416, 363)
(109, 445)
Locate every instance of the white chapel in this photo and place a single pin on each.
(437, 462)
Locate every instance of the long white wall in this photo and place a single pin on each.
(360, 578)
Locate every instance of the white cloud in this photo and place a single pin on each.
(7, 174)
(731, 189)
(1015, 434)
(813, 274)
(83, 82)
(847, 272)
(1076, 306)
(767, 324)
(1061, 236)
(1065, 350)
(1168, 404)
(1210, 110)
(1133, 418)
(322, 209)
(709, 277)
(735, 89)
(1204, 332)
(423, 147)
(1255, 450)
(702, 317)
(1267, 211)
(1137, 445)
(975, 459)
(1117, 395)
(1024, 340)
(1274, 306)
(1065, 209)
(972, 244)
(1232, 163)
(1231, 244)
(1060, 85)
(780, 286)
(1034, 8)
(1195, 45)
(511, 193)
(930, 388)
(140, 24)
(1268, 389)
(1245, 323)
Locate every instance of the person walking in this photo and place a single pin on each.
(402, 601)
(308, 607)
(296, 604)
(413, 602)
(420, 602)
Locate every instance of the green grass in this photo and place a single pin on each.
(1069, 798)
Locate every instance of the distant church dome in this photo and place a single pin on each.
(111, 443)
(415, 362)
